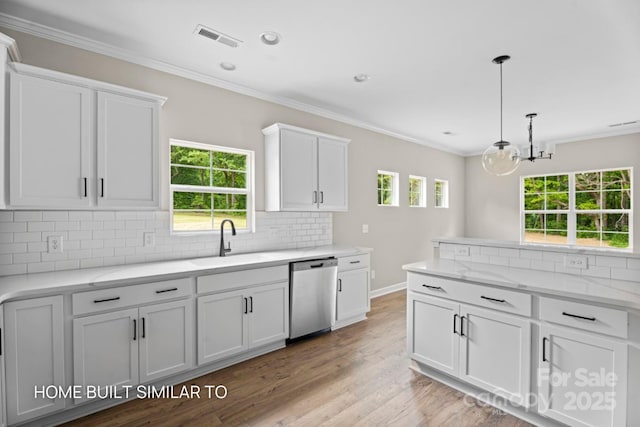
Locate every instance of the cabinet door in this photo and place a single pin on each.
(105, 350)
(433, 327)
(34, 344)
(332, 175)
(583, 378)
(166, 339)
(127, 151)
(269, 314)
(299, 171)
(50, 143)
(3, 414)
(222, 328)
(353, 294)
(495, 353)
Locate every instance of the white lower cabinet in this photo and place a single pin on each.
(128, 347)
(483, 347)
(232, 322)
(353, 294)
(34, 344)
(583, 378)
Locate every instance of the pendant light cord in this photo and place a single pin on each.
(501, 102)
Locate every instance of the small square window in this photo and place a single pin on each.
(417, 191)
(387, 188)
(441, 190)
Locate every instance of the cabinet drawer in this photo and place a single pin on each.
(584, 316)
(353, 262)
(243, 278)
(485, 296)
(125, 296)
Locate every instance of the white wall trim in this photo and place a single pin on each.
(375, 293)
(59, 36)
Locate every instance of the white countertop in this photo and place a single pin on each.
(26, 285)
(604, 291)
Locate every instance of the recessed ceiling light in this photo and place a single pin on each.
(448, 132)
(227, 66)
(270, 38)
(361, 78)
(623, 124)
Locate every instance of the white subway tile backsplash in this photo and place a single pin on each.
(618, 267)
(93, 239)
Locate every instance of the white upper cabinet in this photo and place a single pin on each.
(50, 143)
(79, 143)
(305, 170)
(127, 141)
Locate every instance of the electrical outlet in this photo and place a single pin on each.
(575, 261)
(373, 274)
(461, 250)
(149, 239)
(54, 244)
(365, 228)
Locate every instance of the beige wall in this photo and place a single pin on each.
(199, 112)
(492, 203)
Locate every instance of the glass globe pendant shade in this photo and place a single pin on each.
(501, 158)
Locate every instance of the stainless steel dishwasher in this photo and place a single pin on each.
(312, 296)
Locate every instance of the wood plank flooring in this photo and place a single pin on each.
(356, 376)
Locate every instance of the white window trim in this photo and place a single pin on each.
(445, 193)
(572, 212)
(250, 191)
(394, 190)
(422, 201)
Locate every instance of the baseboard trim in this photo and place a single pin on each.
(388, 290)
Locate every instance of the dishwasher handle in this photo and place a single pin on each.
(314, 264)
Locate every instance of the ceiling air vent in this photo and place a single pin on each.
(217, 36)
(615, 125)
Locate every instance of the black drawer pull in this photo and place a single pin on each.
(544, 349)
(354, 262)
(564, 313)
(96, 301)
(135, 329)
(316, 265)
(455, 318)
(162, 291)
(436, 288)
(462, 326)
(493, 299)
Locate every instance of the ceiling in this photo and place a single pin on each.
(574, 62)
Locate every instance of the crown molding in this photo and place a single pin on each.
(11, 46)
(60, 36)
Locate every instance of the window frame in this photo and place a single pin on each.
(422, 195)
(445, 193)
(394, 187)
(249, 191)
(572, 212)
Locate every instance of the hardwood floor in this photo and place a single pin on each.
(356, 376)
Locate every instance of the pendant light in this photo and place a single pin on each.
(540, 153)
(501, 158)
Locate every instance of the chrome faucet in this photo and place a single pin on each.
(223, 250)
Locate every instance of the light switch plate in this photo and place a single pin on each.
(365, 228)
(576, 261)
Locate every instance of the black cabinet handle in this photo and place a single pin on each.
(339, 285)
(135, 329)
(462, 326)
(162, 291)
(592, 319)
(144, 329)
(97, 301)
(251, 301)
(315, 197)
(246, 306)
(455, 317)
(316, 265)
(544, 349)
(322, 197)
(85, 186)
(436, 288)
(354, 262)
(101, 187)
(493, 299)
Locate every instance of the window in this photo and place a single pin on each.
(208, 185)
(591, 208)
(387, 188)
(417, 191)
(441, 191)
